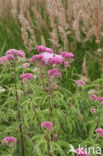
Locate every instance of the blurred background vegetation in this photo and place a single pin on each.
(64, 25)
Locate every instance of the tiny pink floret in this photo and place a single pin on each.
(93, 97)
(93, 110)
(80, 83)
(100, 131)
(46, 124)
(66, 64)
(26, 65)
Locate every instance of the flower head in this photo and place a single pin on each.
(66, 54)
(49, 50)
(57, 59)
(46, 124)
(93, 97)
(93, 110)
(36, 58)
(91, 91)
(26, 76)
(54, 73)
(19, 53)
(31, 60)
(10, 57)
(3, 60)
(66, 64)
(80, 83)
(46, 57)
(26, 65)
(99, 98)
(100, 131)
(44, 49)
(9, 140)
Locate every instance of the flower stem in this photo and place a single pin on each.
(48, 145)
(42, 78)
(50, 91)
(19, 118)
(61, 126)
(34, 109)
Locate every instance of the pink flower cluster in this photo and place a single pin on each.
(66, 54)
(8, 140)
(81, 152)
(100, 131)
(54, 73)
(96, 98)
(47, 56)
(26, 76)
(10, 55)
(44, 49)
(46, 124)
(80, 83)
(37, 57)
(93, 97)
(57, 59)
(91, 91)
(3, 60)
(26, 65)
(99, 98)
(13, 52)
(66, 64)
(93, 110)
(101, 104)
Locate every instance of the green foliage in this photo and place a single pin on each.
(71, 110)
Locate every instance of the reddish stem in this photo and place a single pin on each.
(42, 78)
(48, 145)
(61, 126)
(50, 91)
(17, 99)
(52, 136)
(46, 137)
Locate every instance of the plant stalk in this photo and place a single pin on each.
(61, 126)
(50, 91)
(19, 118)
(42, 78)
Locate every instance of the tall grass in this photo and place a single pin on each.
(61, 24)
